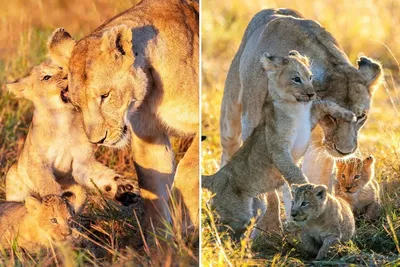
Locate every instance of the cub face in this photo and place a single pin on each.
(354, 174)
(309, 201)
(46, 85)
(291, 75)
(53, 214)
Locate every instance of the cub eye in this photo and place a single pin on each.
(297, 80)
(343, 176)
(53, 221)
(311, 77)
(304, 204)
(47, 77)
(356, 177)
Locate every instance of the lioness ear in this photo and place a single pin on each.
(367, 162)
(117, 41)
(371, 70)
(303, 59)
(60, 45)
(272, 63)
(18, 87)
(32, 204)
(320, 191)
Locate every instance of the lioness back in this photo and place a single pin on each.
(36, 222)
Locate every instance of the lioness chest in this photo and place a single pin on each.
(301, 132)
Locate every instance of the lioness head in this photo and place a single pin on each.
(354, 174)
(45, 85)
(104, 82)
(53, 214)
(290, 75)
(353, 89)
(309, 201)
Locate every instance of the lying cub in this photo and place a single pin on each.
(57, 153)
(356, 184)
(37, 221)
(325, 220)
(276, 144)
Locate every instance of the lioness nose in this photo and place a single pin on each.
(101, 141)
(310, 95)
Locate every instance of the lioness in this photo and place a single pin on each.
(272, 150)
(356, 184)
(139, 70)
(324, 219)
(280, 31)
(36, 222)
(57, 153)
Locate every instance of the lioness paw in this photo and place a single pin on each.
(348, 116)
(127, 192)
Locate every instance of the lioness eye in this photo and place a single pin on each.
(362, 117)
(343, 176)
(297, 80)
(53, 220)
(104, 96)
(304, 204)
(356, 177)
(47, 77)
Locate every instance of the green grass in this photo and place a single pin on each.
(361, 27)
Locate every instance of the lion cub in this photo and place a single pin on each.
(268, 157)
(57, 153)
(37, 221)
(356, 184)
(325, 220)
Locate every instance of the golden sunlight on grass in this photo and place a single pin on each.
(361, 27)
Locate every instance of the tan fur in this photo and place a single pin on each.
(35, 223)
(56, 154)
(324, 219)
(272, 150)
(139, 70)
(356, 184)
(280, 31)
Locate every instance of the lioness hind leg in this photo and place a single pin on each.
(16, 189)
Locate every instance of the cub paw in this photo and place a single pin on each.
(127, 191)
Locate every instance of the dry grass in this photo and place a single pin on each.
(113, 236)
(361, 27)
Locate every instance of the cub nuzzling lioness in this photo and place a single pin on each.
(268, 157)
(37, 221)
(325, 219)
(355, 183)
(57, 152)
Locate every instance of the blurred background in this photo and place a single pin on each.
(362, 27)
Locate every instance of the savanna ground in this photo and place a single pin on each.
(368, 27)
(113, 237)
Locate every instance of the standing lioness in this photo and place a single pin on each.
(268, 157)
(140, 70)
(335, 78)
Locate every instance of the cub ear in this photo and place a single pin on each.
(272, 63)
(297, 55)
(371, 70)
(370, 160)
(320, 191)
(117, 41)
(18, 87)
(294, 188)
(60, 45)
(32, 204)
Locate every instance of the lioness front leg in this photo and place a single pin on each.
(94, 175)
(155, 167)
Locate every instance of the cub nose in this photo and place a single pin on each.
(310, 95)
(348, 187)
(293, 213)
